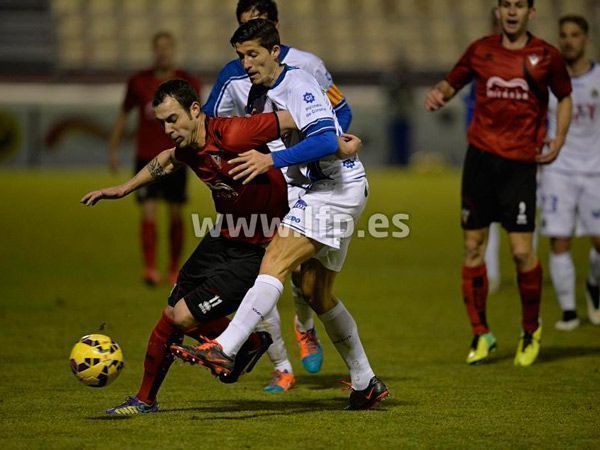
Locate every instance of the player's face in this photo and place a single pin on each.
(180, 125)
(259, 63)
(572, 41)
(164, 53)
(514, 16)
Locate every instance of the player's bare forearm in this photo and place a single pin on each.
(564, 111)
(161, 166)
(286, 122)
(437, 97)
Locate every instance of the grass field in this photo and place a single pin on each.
(65, 270)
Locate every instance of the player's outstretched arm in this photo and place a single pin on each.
(564, 111)
(437, 97)
(161, 166)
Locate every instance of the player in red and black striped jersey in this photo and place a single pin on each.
(214, 280)
(150, 140)
(513, 72)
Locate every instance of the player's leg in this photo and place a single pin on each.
(286, 251)
(174, 192)
(590, 226)
(562, 273)
(492, 258)
(593, 282)
(529, 280)
(559, 197)
(479, 206)
(283, 378)
(148, 237)
(311, 351)
(302, 279)
(147, 198)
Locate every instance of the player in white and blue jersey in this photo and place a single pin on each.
(321, 219)
(229, 97)
(570, 187)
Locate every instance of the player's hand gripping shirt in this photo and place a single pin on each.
(511, 100)
(150, 137)
(581, 152)
(266, 195)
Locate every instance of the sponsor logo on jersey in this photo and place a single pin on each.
(216, 159)
(349, 163)
(308, 97)
(516, 89)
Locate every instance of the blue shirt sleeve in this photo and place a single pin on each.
(311, 149)
(231, 71)
(343, 112)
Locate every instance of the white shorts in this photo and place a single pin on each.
(570, 204)
(328, 212)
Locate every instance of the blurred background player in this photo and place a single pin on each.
(570, 187)
(229, 97)
(150, 141)
(513, 72)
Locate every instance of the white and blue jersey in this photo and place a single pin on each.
(299, 93)
(230, 92)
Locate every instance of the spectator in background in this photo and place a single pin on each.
(150, 141)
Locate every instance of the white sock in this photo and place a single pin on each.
(304, 316)
(562, 272)
(257, 303)
(342, 331)
(594, 275)
(492, 262)
(277, 353)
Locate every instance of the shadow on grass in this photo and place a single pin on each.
(317, 382)
(551, 353)
(248, 409)
(554, 353)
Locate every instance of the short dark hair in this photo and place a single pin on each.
(529, 3)
(180, 90)
(577, 20)
(268, 7)
(262, 30)
(162, 34)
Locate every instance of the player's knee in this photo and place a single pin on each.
(560, 245)
(182, 317)
(474, 251)
(523, 258)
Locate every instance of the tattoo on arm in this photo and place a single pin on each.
(156, 169)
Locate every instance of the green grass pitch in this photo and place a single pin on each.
(66, 269)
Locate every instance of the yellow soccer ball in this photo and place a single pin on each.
(96, 360)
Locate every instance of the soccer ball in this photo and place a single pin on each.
(96, 360)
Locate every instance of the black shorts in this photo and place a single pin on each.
(171, 188)
(496, 189)
(216, 277)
